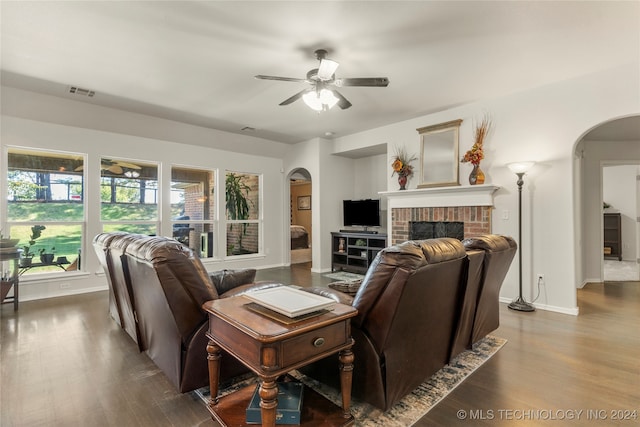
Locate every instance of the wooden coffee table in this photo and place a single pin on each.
(271, 348)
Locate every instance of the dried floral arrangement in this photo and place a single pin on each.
(402, 163)
(476, 153)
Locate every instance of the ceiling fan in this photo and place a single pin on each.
(113, 166)
(322, 95)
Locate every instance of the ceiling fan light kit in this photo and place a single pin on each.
(319, 101)
(319, 97)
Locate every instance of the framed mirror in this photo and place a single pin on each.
(439, 154)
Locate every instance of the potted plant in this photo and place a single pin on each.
(47, 257)
(27, 255)
(237, 203)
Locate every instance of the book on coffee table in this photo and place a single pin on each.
(289, 301)
(289, 404)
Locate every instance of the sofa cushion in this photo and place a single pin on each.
(407, 257)
(225, 280)
(182, 266)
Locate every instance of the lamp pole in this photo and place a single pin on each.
(519, 303)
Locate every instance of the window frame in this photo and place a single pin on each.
(212, 222)
(6, 223)
(259, 220)
(154, 223)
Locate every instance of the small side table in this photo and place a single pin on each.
(9, 276)
(271, 349)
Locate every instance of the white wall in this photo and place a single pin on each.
(96, 143)
(53, 109)
(542, 125)
(369, 181)
(619, 190)
(332, 180)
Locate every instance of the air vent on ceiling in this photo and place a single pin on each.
(80, 91)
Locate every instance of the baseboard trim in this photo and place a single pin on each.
(64, 293)
(587, 281)
(564, 310)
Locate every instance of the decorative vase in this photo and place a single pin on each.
(402, 181)
(476, 176)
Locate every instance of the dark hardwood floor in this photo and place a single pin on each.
(64, 362)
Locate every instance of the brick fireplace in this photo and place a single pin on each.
(476, 219)
(470, 205)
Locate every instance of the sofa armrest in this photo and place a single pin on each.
(224, 280)
(337, 296)
(250, 287)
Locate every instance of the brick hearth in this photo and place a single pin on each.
(477, 219)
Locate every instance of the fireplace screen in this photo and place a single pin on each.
(420, 230)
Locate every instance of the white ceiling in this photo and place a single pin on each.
(195, 61)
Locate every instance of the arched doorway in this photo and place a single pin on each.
(612, 144)
(301, 229)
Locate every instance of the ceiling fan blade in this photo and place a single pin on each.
(127, 165)
(342, 101)
(327, 69)
(294, 97)
(115, 169)
(282, 79)
(363, 81)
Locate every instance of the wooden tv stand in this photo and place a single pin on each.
(357, 250)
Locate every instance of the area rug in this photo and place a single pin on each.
(344, 276)
(413, 406)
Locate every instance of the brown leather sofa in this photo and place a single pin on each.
(420, 304)
(408, 309)
(490, 258)
(110, 250)
(165, 287)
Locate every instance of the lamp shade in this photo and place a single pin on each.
(327, 69)
(520, 167)
(312, 99)
(325, 99)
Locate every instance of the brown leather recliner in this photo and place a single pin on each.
(498, 255)
(464, 330)
(168, 285)
(408, 308)
(110, 247)
(490, 258)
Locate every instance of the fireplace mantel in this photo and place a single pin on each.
(471, 204)
(464, 195)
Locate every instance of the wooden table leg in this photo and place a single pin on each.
(268, 401)
(213, 357)
(346, 358)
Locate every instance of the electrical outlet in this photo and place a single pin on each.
(540, 279)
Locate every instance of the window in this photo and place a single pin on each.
(129, 195)
(193, 209)
(45, 208)
(243, 213)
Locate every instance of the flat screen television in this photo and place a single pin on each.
(365, 213)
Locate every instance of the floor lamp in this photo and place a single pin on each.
(520, 168)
